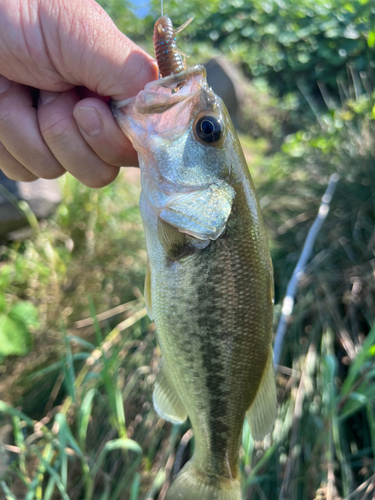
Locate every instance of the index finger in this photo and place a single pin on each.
(92, 51)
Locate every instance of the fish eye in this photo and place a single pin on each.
(209, 128)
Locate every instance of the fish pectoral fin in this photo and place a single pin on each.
(166, 400)
(262, 412)
(202, 213)
(173, 242)
(147, 290)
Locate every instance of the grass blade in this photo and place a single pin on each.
(55, 476)
(8, 494)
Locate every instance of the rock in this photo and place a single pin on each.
(42, 195)
(226, 81)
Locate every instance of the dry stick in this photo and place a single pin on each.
(344, 335)
(361, 487)
(292, 467)
(55, 391)
(180, 452)
(168, 470)
(331, 478)
(106, 314)
(288, 302)
(98, 352)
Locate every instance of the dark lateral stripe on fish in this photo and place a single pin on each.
(212, 328)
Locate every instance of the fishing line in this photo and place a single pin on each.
(161, 7)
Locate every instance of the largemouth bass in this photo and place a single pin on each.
(209, 284)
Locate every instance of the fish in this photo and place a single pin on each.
(209, 279)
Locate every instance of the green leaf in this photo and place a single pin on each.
(136, 486)
(355, 402)
(64, 430)
(14, 337)
(371, 39)
(2, 302)
(55, 476)
(68, 368)
(82, 342)
(115, 444)
(356, 366)
(8, 494)
(124, 444)
(9, 410)
(24, 312)
(350, 7)
(84, 416)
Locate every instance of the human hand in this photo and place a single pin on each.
(74, 54)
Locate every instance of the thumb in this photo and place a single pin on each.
(91, 51)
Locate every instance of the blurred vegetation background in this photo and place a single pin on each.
(78, 355)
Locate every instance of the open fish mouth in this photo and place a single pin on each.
(174, 89)
(166, 108)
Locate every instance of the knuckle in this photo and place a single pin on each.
(116, 157)
(7, 116)
(50, 171)
(18, 175)
(103, 176)
(29, 178)
(3, 150)
(54, 126)
(38, 164)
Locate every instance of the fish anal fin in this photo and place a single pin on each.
(262, 412)
(166, 399)
(147, 290)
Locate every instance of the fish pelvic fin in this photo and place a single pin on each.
(262, 412)
(166, 400)
(193, 485)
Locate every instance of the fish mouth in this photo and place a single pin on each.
(175, 82)
(161, 95)
(165, 108)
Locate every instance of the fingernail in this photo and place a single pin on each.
(5, 84)
(46, 96)
(89, 120)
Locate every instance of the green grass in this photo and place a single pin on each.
(66, 451)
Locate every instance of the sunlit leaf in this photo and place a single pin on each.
(26, 313)
(14, 337)
(371, 39)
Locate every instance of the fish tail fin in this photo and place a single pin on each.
(193, 485)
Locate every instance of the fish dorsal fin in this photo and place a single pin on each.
(147, 290)
(262, 412)
(166, 399)
(202, 213)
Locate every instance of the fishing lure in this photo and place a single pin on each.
(170, 58)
